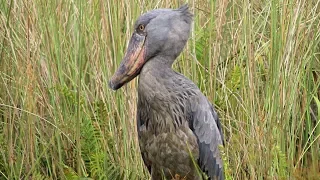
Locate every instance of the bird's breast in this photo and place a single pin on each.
(170, 152)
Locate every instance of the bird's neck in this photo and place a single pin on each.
(157, 62)
(157, 65)
(154, 74)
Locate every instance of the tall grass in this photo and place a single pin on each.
(257, 61)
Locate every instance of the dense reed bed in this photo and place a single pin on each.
(257, 61)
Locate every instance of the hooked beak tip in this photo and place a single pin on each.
(112, 86)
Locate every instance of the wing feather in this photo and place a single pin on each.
(207, 128)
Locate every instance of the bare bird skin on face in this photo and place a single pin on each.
(174, 118)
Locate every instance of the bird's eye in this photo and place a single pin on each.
(141, 27)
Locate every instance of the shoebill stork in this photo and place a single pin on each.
(179, 131)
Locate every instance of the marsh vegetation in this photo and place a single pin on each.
(258, 62)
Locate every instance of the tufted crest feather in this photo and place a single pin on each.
(187, 15)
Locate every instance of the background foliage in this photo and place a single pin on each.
(257, 61)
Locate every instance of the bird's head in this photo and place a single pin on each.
(160, 32)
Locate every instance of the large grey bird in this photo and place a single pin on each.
(179, 130)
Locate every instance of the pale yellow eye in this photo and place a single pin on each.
(141, 27)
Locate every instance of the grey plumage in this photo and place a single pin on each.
(175, 120)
